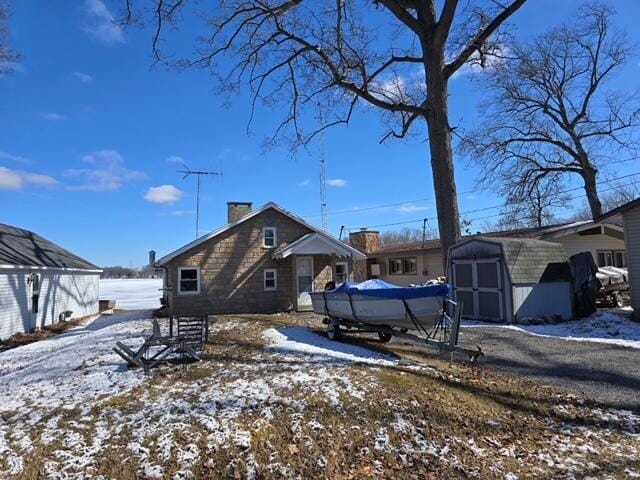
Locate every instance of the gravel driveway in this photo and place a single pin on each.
(609, 374)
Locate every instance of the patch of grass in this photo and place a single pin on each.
(20, 339)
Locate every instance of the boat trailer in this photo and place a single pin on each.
(443, 335)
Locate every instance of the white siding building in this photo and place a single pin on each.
(41, 283)
(629, 213)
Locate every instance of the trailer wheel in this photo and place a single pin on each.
(384, 336)
(333, 329)
(618, 299)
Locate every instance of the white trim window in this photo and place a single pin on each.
(188, 280)
(342, 272)
(269, 237)
(270, 279)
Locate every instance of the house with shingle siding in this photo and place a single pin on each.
(262, 261)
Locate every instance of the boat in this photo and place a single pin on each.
(378, 303)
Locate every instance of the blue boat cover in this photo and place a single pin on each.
(380, 288)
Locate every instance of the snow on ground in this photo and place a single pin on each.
(75, 373)
(603, 327)
(304, 341)
(132, 293)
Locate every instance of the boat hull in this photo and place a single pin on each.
(381, 311)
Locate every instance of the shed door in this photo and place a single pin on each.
(478, 284)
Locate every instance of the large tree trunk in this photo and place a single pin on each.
(442, 156)
(589, 175)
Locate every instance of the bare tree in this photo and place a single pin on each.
(7, 56)
(616, 194)
(396, 56)
(406, 235)
(534, 207)
(548, 112)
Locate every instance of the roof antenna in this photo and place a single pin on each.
(198, 173)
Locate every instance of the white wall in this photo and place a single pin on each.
(575, 243)
(632, 240)
(432, 261)
(59, 291)
(536, 301)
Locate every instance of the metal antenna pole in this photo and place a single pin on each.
(323, 186)
(198, 173)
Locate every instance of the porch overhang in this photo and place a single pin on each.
(318, 244)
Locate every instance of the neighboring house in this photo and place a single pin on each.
(262, 261)
(629, 215)
(41, 282)
(417, 262)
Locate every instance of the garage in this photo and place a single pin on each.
(507, 280)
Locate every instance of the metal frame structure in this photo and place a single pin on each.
(444, 335)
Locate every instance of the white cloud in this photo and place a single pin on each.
(101, 23)
(163, 194)
(83, 77)
(336, 182)
(182, 213)
(52, 116)
(411, 208)
(304, 183)
(17, 179)
(14, 158)
(109, 172)
(175, 159)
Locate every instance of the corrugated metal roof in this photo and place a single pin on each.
(20, 247)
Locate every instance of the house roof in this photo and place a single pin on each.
(546, 232)
(271, 205)
(22, 248)
(526, 258)
(615, 214)
(316, 244)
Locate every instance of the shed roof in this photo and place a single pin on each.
(526, 258)
(22, 248)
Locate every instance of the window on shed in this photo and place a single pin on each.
(269, 237)
(188, 280)
(395, 266)
(410, 266)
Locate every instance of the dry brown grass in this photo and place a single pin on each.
(20, 339)
(458, 410)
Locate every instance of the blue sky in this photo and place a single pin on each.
(92, 137)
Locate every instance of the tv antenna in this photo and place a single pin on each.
(198, 173)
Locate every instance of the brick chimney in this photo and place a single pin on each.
(236, 210)
(366, 241)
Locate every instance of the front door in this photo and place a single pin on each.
(304, 282)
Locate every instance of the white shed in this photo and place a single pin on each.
(629, 213)
(498, 279)
(41, 282)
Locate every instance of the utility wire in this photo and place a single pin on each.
(406, 222)
(397, 204)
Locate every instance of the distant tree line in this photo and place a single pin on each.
(125, 272)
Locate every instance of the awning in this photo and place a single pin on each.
(317, 244)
